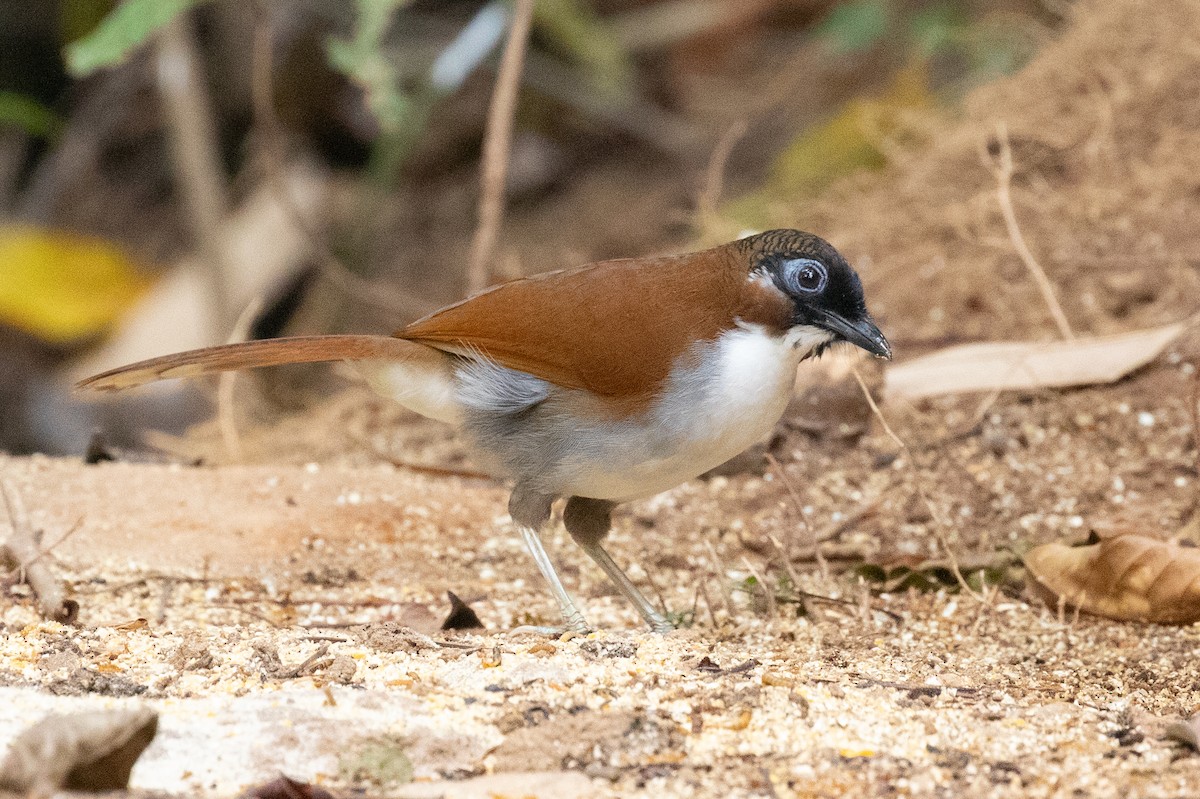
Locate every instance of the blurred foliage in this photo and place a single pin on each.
(572, 27)
(400, 115)
(366, 55)
(63, 287)
(943, 49)
(940, 30)
(852, 138)
(402, 112)
(29, 115)
(78, 18)
(128, 27)
(854, 26)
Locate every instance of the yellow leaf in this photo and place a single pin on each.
(62, 286)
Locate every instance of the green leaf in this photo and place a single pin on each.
(362, 58)
(933, 29)
(574, 28)
(128, 27)
(29, 115)
(856, 25)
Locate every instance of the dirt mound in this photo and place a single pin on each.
(1104, 126)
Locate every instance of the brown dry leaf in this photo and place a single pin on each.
(461, 616)
(286, 788)
(92, 751)
(1012, 365)
(1129, 577)
(1185, 731)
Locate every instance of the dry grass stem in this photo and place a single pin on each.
(768, 593)
(940, 522)
(1002, 168)
(799, 505)
(195, 156)
(714, 175)
(497, 143)
(722, 581)
(226, 417)
(1194, 408)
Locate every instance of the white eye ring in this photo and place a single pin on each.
(805, 276)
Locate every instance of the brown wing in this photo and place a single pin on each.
(252, 354)
(613, 327)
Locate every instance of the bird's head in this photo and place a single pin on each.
(824, 291)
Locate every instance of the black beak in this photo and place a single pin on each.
(861, 332)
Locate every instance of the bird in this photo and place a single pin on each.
(601, 384)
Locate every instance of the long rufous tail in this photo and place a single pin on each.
(253, 354)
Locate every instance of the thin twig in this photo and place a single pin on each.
(722, 580)
(225, 413)
(940, 521)
(1194, 402)
(496, 145)
(896, 617)
(662, 599)
(799, 505)
(702, 588)
(304, 666)
(1002, 169)
(164, 600)
(22, 550)
(833, 530)
(48, 549)
(247, 611)
(360, 289)
(442, 471)
(770, 594)
(714, 175)
(790, 570)
(195, 157)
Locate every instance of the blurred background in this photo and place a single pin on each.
(176, 173)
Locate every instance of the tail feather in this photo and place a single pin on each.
(253, 354)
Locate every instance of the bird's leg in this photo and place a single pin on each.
(588, 521)
(531, 512)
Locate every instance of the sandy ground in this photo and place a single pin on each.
(202, 589)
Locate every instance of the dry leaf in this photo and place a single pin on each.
(287, 788)
(462, 616)
(1184, 731)
(1130, 577)
(1010, 365)
(82, 751)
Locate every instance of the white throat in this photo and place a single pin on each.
(806, 338)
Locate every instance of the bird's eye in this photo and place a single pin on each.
(805, 275)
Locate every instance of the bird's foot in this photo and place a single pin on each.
(549, 631)
(659, 623)
(573, 623)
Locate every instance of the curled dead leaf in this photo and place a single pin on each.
(462, 616)
(1129, 577)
